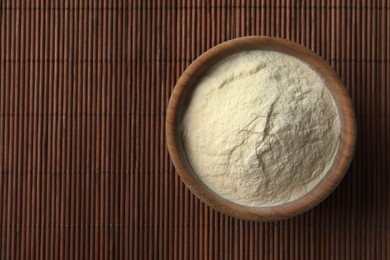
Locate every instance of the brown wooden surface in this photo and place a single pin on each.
(84, 169)
(186, 85)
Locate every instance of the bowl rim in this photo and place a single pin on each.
(332, 81)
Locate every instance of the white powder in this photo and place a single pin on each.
(261, 128)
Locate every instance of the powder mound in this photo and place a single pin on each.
(261, 128)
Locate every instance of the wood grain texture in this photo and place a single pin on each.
(186, 85)
(84, 169)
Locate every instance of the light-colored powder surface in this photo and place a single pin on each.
(261, 128)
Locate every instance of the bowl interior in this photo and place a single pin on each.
(177, 107)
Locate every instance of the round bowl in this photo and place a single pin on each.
(331, 179)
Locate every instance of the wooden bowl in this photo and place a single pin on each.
(188, 81)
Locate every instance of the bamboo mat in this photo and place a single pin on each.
(84, 169)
